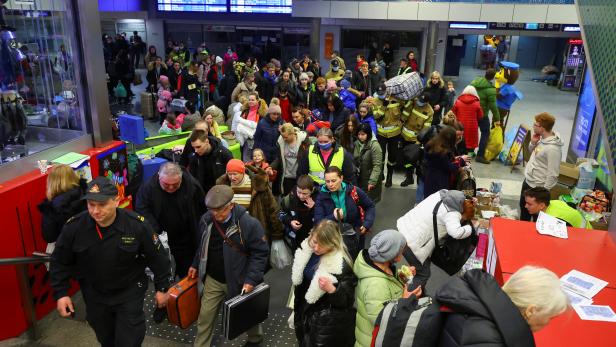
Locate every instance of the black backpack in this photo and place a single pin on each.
(408, 322)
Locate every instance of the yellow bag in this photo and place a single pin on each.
(495, 143)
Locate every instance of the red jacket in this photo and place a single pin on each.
(468, 112)
(286, 109)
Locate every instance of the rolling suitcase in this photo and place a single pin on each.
(245, 311)
(184, 304)
(147, 105)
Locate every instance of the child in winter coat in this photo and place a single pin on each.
(172, 124)
(297, 211)
(451, 96)
(258, 161)
(468, 112)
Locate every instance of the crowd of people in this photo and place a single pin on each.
(314, 153)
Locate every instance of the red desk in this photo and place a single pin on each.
(590, 251)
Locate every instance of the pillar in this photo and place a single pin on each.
(315, 36)
(431, 48)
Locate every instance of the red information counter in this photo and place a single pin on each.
(516, 244)
(21, 236)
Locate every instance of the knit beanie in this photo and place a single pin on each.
(386, 245)
(236, 165)
(274, 107)
(453, 199)
(163, 78)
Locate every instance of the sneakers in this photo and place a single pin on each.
(482, 160)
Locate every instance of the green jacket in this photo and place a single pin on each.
(487, 97)
(373, 289)
(368, 160)
(562, 211)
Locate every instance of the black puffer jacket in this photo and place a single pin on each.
(483, 315)
(56, 212)
(330, 321)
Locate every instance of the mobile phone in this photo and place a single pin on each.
(71, 313)
(413, 284)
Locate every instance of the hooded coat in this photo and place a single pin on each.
(374, 289)
(483, 315)
(368, 159)
(417, 224)
(468, 111)
(487, 97)
(543, 167)
(323, 319)
(266, 135)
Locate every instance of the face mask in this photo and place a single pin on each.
(335, 68)
(325, 146)
(229, 51)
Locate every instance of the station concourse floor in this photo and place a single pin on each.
(396, 201)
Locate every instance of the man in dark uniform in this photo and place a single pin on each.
(110, 247)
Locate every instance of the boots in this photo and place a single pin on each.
(409, 177)
(390, 176)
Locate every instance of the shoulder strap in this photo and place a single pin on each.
(227, 240)
(355, 198)
(434, 212)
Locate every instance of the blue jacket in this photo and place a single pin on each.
(368, 120)
(324, 207)
(266, 137)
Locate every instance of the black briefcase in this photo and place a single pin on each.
(245, 311)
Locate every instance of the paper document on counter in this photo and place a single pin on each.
(595, 312)
(582, 284)
(548, 225)
(576, 299)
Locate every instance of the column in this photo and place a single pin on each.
(315, 36)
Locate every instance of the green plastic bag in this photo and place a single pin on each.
(120, 91)
(495, 143)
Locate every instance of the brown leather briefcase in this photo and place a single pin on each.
(184, 304)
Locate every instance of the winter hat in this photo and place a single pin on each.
(345, 84)
(331, 86)
(334, 63)
(163, 78)
(381, 91)
(274, 107)
(218, 60)
(453, 200)
(236, 165)
(386, 245)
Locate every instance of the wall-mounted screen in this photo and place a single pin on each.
(261, 6)
(584, 119)
(192, 5)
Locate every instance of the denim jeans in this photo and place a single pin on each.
(484, 126)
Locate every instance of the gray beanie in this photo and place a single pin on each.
(453, 200)
(386, 245)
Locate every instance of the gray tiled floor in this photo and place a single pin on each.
(396, 201)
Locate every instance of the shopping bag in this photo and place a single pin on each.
(119, 91)
(495, 143)
(280, 255)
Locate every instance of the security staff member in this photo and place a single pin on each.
(110, 247)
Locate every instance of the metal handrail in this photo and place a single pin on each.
(36, 258)
(21, 267)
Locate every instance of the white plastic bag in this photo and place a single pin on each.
(280, 255)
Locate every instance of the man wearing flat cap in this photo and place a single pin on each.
(231, 259)
(110, 247)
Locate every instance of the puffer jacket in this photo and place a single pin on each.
(417, 226)
(368, 159)
(487, 97)
(56, 212)
(543, 167)
(323, 319)
(374, 288)
(266, 135)
(483, 315)
(324, 206)
(468, 111)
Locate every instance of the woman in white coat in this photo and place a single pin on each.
(417, 227)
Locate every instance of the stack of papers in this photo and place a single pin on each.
(581, 288)
(548, 225)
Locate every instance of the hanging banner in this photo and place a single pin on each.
(329, 45)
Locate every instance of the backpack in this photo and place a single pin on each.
(408, 322)
(426, 134)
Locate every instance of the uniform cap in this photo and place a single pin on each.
(100, 189)
(509, 65)
(218, 196)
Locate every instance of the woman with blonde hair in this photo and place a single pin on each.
(436, 93)
(482, 313)
(212, 124)
(324, 289)
(63, 200)
(292, 143)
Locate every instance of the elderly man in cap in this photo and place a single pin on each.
(173, 201)
(231, 259)
(110, 247)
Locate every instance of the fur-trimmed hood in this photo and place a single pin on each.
(330, 264)
(262, 108)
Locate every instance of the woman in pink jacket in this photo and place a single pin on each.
(468, 112)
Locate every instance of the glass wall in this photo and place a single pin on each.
(39, 75)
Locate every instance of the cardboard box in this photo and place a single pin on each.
(559, 190)
(480, 208)
(569, 174)
(599, 225)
